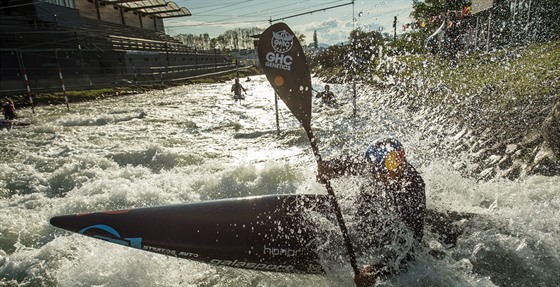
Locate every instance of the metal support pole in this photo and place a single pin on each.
(527, 35)
(61, 80)
(476, 35)
(513, 9)
(489, 31)
(24, 72)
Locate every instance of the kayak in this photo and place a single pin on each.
(9, 124)
(266, 233)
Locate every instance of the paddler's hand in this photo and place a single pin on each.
(366, 277)
(324, 171)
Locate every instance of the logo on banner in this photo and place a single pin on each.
(282, 42)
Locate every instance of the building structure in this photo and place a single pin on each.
(94, 43)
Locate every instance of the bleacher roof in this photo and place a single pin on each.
(156, 8)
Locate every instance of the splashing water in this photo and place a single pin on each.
(193, 143)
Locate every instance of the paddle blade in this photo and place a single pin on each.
(283, 61)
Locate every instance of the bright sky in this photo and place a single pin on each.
(332, 25)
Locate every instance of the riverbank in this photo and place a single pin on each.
(500, 109)
(504, 108)
(124, 88)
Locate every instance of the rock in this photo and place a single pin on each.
(545, 162)
(493, 159)
(487, 174)
(505, 162)
(459, 135)
(531, 138)
(3, 257)
(511, 148)
(513, 172)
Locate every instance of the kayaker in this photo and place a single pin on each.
(391, 206)
(236, 89)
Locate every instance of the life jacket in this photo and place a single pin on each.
(236, 88)
(9, 110)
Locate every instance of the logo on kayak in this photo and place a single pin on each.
(135, 242)
(282, 42)
(253, 265)
(314, 268)
(161, 250)
(279, 251)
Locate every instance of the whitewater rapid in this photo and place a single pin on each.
(192, 143)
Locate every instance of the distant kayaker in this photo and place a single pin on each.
(236, 89)
(9, 109)
(390, 207)
(327, 96)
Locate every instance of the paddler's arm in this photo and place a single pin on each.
(336, 167)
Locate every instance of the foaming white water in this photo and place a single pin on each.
(192, 143)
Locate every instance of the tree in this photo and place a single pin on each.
(365, 43)
(301, 38)
(222, 41)
(426, 9)
(213, 43)
(315, 42)
(205, 41)
(330, 58)
(239, 38)
(429, 8)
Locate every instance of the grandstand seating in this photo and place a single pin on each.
(90, 51)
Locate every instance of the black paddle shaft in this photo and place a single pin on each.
(335, 205)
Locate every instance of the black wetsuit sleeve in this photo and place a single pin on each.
(412, 202)
(348, 166)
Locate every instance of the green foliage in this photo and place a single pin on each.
(504, 79)
(363, 47)
(301, 38)
(428, 8)
(365, 43)
(410, 43)
(367, 49)
(330, 58)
